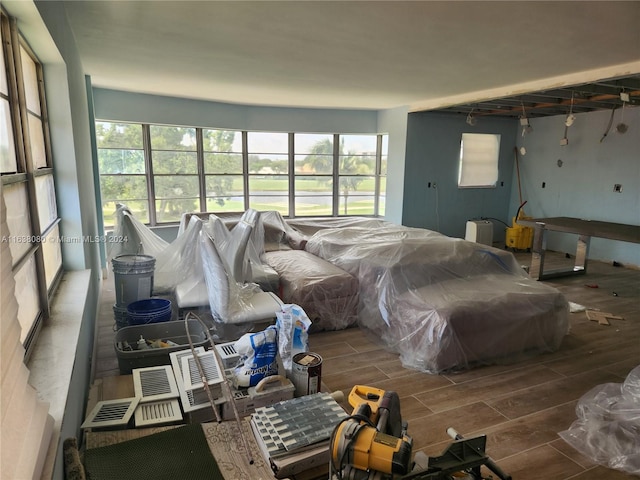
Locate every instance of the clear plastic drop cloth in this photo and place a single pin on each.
(607, 429)
(442, 303)
(179, 263)
(244, 254)
(232, 302)
(328, 294)
(134, 237)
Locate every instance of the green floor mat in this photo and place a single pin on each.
(173, 454)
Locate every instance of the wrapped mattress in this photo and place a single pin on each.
(328, 294)
(443, 303)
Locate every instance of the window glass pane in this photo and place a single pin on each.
(120, 157)
(357, 154)
(8, 162)
(309, 206)
(308, 185)
(269, 192)
(357, 164)
(171, 210)
(383, 196)
(175, 162)
(176, 186)
(225, 204)
(478, 160)
(312, 164)
(18, 219)
(267, 142)
(314, 153)
(224, 186)
(4, 87)
(46, 197)
(384, 154)
(128, 189)
(356, 205)
(52, 255)
(279, 204)
(173, 138)
(30, 81)
(225, 193)
(36, 141)
(268, 163)
(222, 141)
(119, 135)
(358, 144)
(313, 143)
(113, 160)
(223, 163)
(381, 205)
(269, 184)
(27, 295)
(175, 195)
(357, 185)
(385, 145)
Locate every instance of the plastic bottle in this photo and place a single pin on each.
(142, 343)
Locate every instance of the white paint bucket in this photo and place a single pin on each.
(133, 278)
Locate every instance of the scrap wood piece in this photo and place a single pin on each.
(602, 317)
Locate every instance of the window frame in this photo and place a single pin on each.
(377, 174)
(14, 45)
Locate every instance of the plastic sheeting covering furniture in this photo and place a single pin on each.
(607, 430)
(232, 302)
(442, 303)
(328, 294)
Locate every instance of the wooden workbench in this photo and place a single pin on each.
(585, 229)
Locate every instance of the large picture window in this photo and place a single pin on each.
(186, 169)
(28, 183)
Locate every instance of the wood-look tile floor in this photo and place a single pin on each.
(520, 407)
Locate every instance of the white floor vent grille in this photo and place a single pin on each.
(212, 372)
(154, 383)
(158, 413)
(176, 363)
(111, 413)
(228, 354)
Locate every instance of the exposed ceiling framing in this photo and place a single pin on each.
(588, 97)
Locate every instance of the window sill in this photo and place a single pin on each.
(53, 359)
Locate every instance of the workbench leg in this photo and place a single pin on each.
(582, 253)
(537, 253)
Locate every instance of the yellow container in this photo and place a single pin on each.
(518, 237)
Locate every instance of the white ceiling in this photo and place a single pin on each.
(355, 54)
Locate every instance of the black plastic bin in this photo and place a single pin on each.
(166, 331)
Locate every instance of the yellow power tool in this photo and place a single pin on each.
(371, 444)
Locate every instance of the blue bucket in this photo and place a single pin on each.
(121, 315)
(149, 310)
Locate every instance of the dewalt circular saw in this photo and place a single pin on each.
(371, 444)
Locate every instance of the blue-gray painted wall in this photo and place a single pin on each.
(432, 157)
(394, 123)
(121, 106)
(583, 186)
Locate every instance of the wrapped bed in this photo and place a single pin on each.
(327, 293)
(443, 303)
